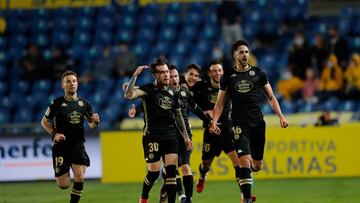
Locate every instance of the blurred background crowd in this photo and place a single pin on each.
(309, 49)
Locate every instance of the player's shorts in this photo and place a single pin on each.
(214, 144)
(64, 155)
(249, 138)
(184, 154)
(154, 148)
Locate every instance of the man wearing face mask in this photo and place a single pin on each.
(299, 56)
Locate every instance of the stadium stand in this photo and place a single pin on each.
(184, 32)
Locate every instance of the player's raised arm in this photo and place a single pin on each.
(275, 105)
(131, 92)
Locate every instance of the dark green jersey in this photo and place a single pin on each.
(68, 116)
(159, 111)
(244, 88)
(205, 96)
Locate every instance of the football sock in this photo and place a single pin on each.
(245, 182)
(203, 171)
(149, 180)
(179, 188)
(170, 183)
(76, 192)
(188, 182)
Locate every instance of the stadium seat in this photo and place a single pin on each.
(22, 114)
(43, 86)
(84, 24)
(20, 86)
(347, 105)
(103, 38)
(61, 38)
(3, 88)
(5, 115)
(3, 42)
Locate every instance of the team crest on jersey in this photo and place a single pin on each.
(183, 93)
(171, 92)
(252, 73)
(243, 86)
(81, 103)
(74, 117)
(165, 103)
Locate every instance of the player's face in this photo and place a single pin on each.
(162, 75)
(191, 77)
(241, 55)
(70, 84)
(174, 78)
(216, 72)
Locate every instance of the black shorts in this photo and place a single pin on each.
(214, 144)
(184, 154)
(64, 155)
(154, 148)
(249, 138)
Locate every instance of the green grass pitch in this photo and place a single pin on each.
(268, 191)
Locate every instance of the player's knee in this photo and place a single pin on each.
(63, 186)
(186, 170)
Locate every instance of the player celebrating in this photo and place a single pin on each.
(67, 131)
(242, 86)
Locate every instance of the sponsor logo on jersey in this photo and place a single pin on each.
(243, 86)
(63, 104)
(74, 117)
(236, 136)
(151, 156)
(233, 75)
(165, 103)
(81, 103)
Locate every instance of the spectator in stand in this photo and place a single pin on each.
(311, 86)
(319, 53)
(229, 16)
(59, 62)
(289, 86)
(339, 46)
(299, 56)
(331, 79)
(352, 78)
(325, 120)
(124, 60)
(102, 69)
(33, 64)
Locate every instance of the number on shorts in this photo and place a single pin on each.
(206, 147)
(153, 146)
(236, 130)
(59, 161)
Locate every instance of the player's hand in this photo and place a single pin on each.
(209, 112)
(139, 69)
(95, 118)
(283, 123)
(189, 144)
(132, 111)
(214, 129)
(59, 137)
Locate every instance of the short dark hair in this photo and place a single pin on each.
(172, 67)
(236, 45)
(160, 61)
(214, 62)
(193, 66)
(68, 72)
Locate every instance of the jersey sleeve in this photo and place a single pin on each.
(263, 79)
(88, 109)
(51, 110)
